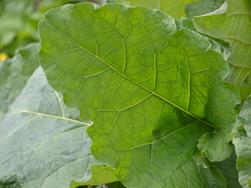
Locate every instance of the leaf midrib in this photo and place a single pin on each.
(39, 114)
(43, 115)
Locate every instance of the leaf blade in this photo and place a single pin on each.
(138, 111)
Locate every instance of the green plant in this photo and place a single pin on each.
(126, 93)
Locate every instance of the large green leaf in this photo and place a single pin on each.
(146, 86)
(232, 23)
(174, 8)
(14, 73)
(42, 143)
(242, 142)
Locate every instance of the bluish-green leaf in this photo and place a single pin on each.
(42, 142)
(14, 73)
(242, 143)
(201, 7)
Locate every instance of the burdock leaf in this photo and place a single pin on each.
(147, 86)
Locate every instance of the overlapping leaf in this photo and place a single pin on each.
(232, 23)
(221, 110)
(147, 86)
(202, 7)
(41, 143)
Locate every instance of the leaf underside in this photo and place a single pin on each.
(42, 144)
(14, 74)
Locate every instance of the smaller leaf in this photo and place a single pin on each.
(221, 110)
(202, 7)
(42, 143)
